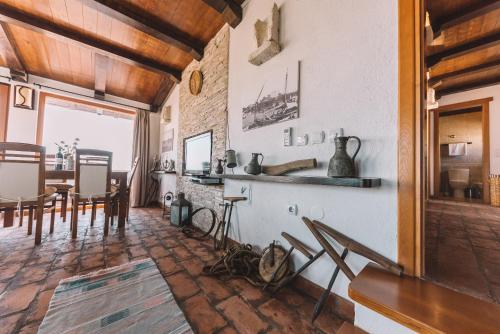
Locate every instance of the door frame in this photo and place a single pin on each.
(485, 110)
(410, 106)
(42, 99)
(4, 111)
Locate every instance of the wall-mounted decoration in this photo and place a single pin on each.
(24, 97)
(167, 145)
(266, 38)
(166, 114)
(273, 100)
(196, 82)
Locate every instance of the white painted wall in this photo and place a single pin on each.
(481, 93)
(348, 53)
(169, 181)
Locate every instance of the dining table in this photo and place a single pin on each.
(120, 176)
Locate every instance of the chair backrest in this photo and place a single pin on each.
(22, 172)
(132, 171)
(93, 173)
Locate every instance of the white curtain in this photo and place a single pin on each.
(139, 186)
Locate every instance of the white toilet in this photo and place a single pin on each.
(459, 180)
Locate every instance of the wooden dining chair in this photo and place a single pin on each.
(115, 202)
(62, 186)
(22, 171)
(92, 184)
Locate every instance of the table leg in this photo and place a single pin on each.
(122, 207)
(30, 220)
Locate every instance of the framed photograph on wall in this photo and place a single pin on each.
(24, 97)
(167, 145)
(272, 100)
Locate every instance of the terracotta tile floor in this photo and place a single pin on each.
(463, 247)
(28, 276)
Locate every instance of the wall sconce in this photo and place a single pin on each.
(166, 114)
(24, 97)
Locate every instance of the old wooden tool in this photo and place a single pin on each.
(317, 229)
(296, 244)
(324, 296)
(273, 265)
(360, 249)
(289, 167)
(329, 248)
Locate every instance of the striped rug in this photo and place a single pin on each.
(131, 298)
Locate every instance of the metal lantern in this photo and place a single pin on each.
(180, 211)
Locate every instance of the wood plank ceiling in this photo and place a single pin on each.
(465, 51)
(136, 49)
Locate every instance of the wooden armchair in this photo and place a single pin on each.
(92, 184)
(22, 171)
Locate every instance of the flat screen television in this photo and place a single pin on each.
(198, 154)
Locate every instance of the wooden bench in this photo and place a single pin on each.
(421, 305)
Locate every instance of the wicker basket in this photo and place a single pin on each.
(495, 190)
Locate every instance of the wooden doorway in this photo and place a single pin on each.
(481, 105)
(4, 110)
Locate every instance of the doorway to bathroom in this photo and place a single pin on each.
(460, 152)
(461, 231)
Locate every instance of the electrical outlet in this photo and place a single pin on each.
(302, 140)
(318, 137)
(317, 212)
(292, 209)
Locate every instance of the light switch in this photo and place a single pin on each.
(287, 137)
(318, 137)
(302, 140)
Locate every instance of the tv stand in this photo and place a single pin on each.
(206, 180)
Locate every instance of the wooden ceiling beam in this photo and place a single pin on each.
(468, 86)
(230, 10)
(164, 90)
(463, 49)
(482, 8)
(12, 55)
(100, 75)
(135, 17)
(29, 21)
(465, 71)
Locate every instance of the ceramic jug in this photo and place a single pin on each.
(220, 168)
(254, 167)
(341, 164)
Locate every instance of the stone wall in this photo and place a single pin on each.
(206, 111)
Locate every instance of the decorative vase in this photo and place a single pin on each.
(341, 164)
(70, 162)
(254, 167)
(219, 169)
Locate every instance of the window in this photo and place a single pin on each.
(96, 128)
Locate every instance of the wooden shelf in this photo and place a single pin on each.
(423, 306)
(356, 182)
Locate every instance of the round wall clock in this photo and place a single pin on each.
(196, 82)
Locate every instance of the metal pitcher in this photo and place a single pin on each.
(341, 164)
(254, 167)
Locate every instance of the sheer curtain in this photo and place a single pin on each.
(138, 190)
